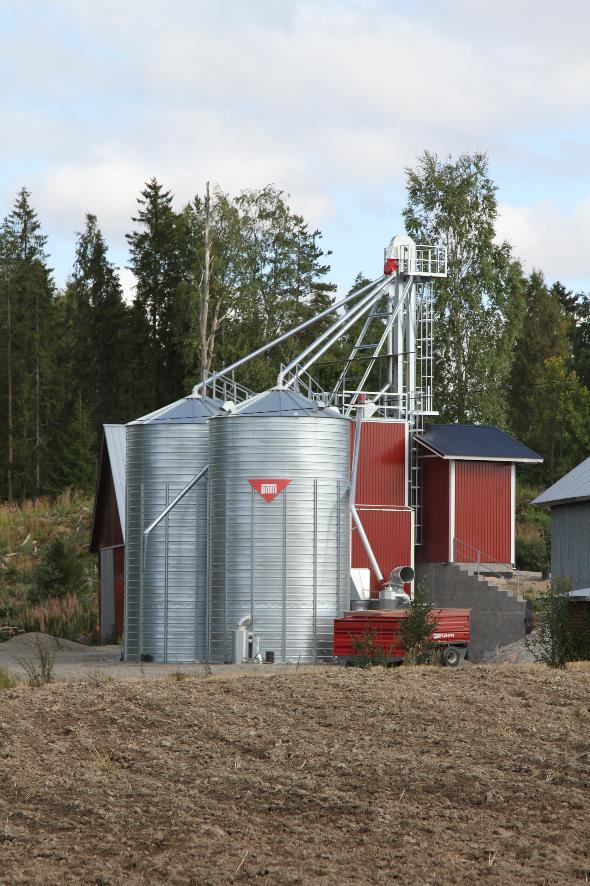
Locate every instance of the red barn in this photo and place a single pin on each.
(468, 493)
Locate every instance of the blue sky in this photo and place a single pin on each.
(328, 100)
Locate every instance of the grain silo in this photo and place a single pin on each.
(280, 525)
(166, 571)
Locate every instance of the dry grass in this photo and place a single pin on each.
(7, 680)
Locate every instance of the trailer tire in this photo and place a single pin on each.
(451, 656)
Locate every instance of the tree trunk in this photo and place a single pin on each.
(9, 373)
(38, 402)
(203, 355)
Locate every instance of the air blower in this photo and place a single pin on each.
(393, 596)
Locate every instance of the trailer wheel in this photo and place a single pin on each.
(451, 656)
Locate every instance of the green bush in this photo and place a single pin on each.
(532, 554)
(367, 652)
(415, 630)
(60, 571)
(557, 641)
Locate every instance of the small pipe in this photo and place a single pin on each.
(285, 335)
(353, 481)
(166, 511)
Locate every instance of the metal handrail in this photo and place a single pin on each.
(482, 559)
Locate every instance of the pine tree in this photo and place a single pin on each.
(577, 310)
(158, 259)
(27, 310)
(544, 335)
(100, 325)
(76, 442)
(478, 307)
(561, 430)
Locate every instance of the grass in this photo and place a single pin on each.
(7, 681)
(39, 669)
(26, 531)
(179, 676)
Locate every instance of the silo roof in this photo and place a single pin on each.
(573, 486)
(190, 410)
(282, 401)
(478, 442)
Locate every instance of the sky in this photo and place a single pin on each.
(330, 100)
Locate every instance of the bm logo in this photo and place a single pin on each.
(268, 487)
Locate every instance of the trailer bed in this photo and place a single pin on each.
(451, 629)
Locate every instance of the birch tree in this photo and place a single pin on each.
(479, 307)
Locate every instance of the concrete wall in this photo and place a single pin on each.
(497, 617)
(570, 547)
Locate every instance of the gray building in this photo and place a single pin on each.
(569, 500)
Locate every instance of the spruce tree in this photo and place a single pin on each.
(29, 365)
(158, 253)
(544, 335)
(100, 325)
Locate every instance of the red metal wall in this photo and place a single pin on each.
(435, 511)
(381, 497)
(390, 535)
(382, 464)
(483, 509)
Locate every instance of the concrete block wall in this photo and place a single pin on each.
(497, 615)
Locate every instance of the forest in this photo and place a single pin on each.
(510, 348)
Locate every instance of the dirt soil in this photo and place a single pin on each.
(330, 776)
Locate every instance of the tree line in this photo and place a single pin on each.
(221, 275)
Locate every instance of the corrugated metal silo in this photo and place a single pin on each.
(166, 584)
(280, 525)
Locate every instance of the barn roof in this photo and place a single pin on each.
(574, 486)
(113, 455)
(115, 440)
(477, 442)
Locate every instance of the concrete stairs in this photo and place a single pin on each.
(486, 573)
(497, 614)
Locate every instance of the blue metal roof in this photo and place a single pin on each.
(573, 486)
(480, 442)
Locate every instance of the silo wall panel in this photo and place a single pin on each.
(283, 562)
(166, 584)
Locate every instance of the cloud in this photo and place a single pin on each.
(549, 238)
(322, 99)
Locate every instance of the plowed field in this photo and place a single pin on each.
(416, 775)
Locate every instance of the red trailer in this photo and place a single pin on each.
(450, 632)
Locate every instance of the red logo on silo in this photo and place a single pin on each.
(268, 488)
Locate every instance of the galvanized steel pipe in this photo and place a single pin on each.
(286, 335)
